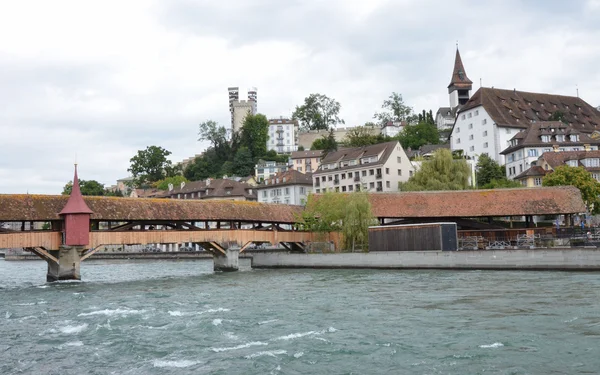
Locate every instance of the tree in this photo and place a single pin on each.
(150, 165)
(580, 178)
(415, 136)
(300, 148)
(441, 172)
(334, 212)
(394, 110)
(326, 143)
(217, 136)
(175, 181)
(487, 170)
(255, 134)
(205, 166)
(318, 112)
(363, 136)
(89, 187)
(243, 164)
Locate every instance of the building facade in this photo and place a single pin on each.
(213, 189)
(549, 161)
(283, 136)
(306, 161)
(266, 169)
(289, 187)
(526, 146)
(374, 168)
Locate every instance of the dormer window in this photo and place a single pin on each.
(574, 137)
(545, 138)
(560, 138)
(572, 163)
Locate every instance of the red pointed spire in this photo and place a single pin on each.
(76, 204)
(459, 76)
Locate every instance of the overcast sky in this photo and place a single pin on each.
(95, 81)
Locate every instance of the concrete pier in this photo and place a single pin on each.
(68, 266)
(228, 262)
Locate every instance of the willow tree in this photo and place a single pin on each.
(348, 213)
(441, 172)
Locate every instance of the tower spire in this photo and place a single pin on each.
(75, 204)
(460, 85)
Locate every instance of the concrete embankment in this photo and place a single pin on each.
(539, 259)
(145, 256)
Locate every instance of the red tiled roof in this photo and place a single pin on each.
(289, 177)
(75, 204)
(25, 207)
(478, 203)
(355, 153)
(532, 136)
(519, 108)
(535, 171)
(555, 159)
(216, 188)
(459, 76)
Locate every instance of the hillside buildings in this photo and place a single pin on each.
(289, 187)
(213, 189)
(374, 168)
(487, 121)
(267, 168)
(549, 161)
(305, 161)
(283, 136)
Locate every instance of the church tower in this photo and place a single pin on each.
(460, 85)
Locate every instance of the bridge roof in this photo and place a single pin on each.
(26, 207)
(478, 203)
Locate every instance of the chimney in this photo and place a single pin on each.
(182, 184)
(170, 187)
(587, 147)
(208, 182)
(556, 149)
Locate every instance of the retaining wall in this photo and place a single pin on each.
(542, 259)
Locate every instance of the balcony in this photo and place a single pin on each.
(356, 178)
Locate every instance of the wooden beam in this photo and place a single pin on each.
(42, 253)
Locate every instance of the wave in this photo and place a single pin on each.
(268, 321)
(217, 322)
(494, 345)
(108, 312)
(179, 364)
(298, 355)
(271, 353)
(296, 335)
(73, 329)
(188, 313)
(242, 346)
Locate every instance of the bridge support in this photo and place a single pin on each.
(67, 267)
(227, 262)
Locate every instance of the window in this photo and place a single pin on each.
(476, 112)
(472, 148)
(302, 190)
(399, 172)
(572, 163)
(371, 185)
(532, 152)
(264, 194)
(330, 178)
(470, 126)
(387, 184)
(343, 188)
(350, 188)
(485, 145)
(484, 121)
(371, 172)
(560, 138)
(399, 159)
(574, 137)
(349, 174)
(485, 133)
(387, 171)
(458, 130)
(507, 131)
(299, 169)
(287, 191)
(471, 137)
(462, 117)
(343, 176)
(364, 173)
(410, 173)
(470, 115)
(545, 138)
(457, 140)
(318, 191)
(537, 181)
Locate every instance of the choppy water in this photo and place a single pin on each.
(181, 318)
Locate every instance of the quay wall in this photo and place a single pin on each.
(540, 259)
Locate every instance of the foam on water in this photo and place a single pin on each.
(179, 363)
(268, 321)
(298, 355)
(242, 346)
(270, 353)
(296, 335)
(188, 313)
(73, 329)
(107, 312)
(217, 322)
(494, 345)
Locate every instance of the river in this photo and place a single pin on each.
(178, 317)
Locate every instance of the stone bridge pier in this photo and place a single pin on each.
(227, 262)
(66, 263)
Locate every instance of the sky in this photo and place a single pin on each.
(93, 82)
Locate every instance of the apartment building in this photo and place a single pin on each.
(289, 187)
(306, 161)
(375, 168)
(283, 135)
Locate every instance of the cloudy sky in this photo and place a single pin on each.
(95, 81)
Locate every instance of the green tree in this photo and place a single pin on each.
(357, 219)
(487, 170)
(255, 134)
(363, 136)
(174, 180)
(217, 136)
(89, 187)
(326, 143)
(415, 136)
(205, 166)
(243, 163)
(150, 165)
(441, 172)
(318, 112)
(300, 148)
(394, 110)
(579, 177)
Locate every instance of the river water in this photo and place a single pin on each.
(178, 317)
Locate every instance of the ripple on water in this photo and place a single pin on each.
(177, 363)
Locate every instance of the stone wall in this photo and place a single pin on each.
(541, 259)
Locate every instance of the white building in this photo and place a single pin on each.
(393, 128)
(266, 169)
(283, 136)
(373, 168)
(529, 144)
(290, 187)
(492, 117)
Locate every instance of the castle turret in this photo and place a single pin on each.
(76, 214)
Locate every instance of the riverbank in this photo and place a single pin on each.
(538, 259)
(147, 256)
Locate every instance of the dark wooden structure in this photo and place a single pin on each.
(432, 236)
